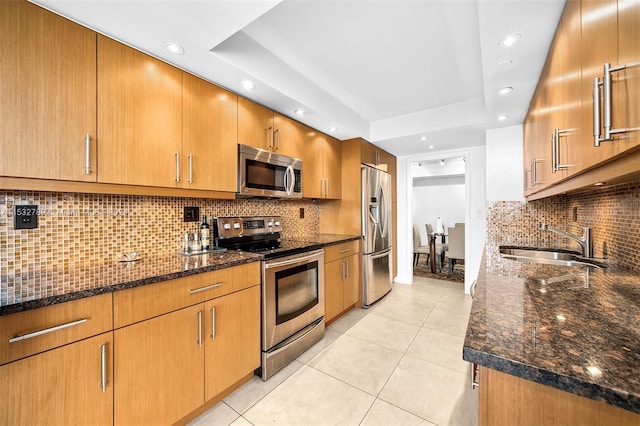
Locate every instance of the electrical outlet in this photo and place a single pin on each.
(192, 214)
(301, 212)
(25, 217)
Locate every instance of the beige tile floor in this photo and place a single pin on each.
(397, 363)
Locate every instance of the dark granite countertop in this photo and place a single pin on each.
(576, 329)
(35, 289)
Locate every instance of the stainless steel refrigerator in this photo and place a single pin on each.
(376, 229)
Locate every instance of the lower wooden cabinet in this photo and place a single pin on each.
(508, 400)
(63, 386)
(232, 339)
(168, 366)
(341, 279)
(159, 365)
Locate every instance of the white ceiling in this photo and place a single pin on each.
(390, 71)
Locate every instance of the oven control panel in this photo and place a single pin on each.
(229, 227)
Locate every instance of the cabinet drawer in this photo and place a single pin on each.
(339, 251)
(26, 333)
(138, 304)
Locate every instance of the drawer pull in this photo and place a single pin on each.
(47, 330)
(345, 250)
(209, 287)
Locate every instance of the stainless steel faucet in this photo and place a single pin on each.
(584, 240)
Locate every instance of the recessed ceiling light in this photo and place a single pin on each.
(505, 91)
(299, 111)
(423, 138)
(431, 146)
(510, 39)
(502, 117)
(173, 47)
(247, 84)
(332, 129)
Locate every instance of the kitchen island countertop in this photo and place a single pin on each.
(574, 329)
(35, 289)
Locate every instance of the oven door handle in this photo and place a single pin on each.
(303, 259)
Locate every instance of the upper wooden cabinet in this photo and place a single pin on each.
(322, 166)
(611, 30)
(373, 156)
(160, 126)
(262, 128)
(139, 117)
(209, 135)
(591, 35)
(47, 95)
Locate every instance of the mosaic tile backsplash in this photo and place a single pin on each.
(78, 228)
(613, 214)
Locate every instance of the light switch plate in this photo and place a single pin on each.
(25, 216)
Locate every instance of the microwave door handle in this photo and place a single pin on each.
(286, 180)
(289, 184)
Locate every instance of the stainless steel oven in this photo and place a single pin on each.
(292, 308)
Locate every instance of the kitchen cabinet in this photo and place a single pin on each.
(342, 278)
(321, 162)
(139, 117)
(375, 157)
(168, 360)
(508, 400)
(47, 95)
(209, 135)
(159, 368)
(232, 339)
(57, 387)
(55, 359)
(611, 30)
(262, 128)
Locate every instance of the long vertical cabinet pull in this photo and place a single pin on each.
(213, 323)
(200, 328)
(277, 139)
(87, 154)
(326, 192)
(103, 368)
(346, 264)
(605, 82)
(177, 166)
(190, 168)
(555, 147)
(270, 137)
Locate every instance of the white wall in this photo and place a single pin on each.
(475, 230)
(505, 170)
(438, 197)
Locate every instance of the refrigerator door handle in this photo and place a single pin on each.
(381, 254)
(382, 212)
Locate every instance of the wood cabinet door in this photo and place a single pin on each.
(47, 95)
(209, 135)
(139, 117)
(626, 106)
(368, 154)
(312, 165)
(159, 368)
(600, 41)
(332, 162)
(289, 136)
(351, 281)
(542, 161)
(232, 339)
(333, 289)
(255, 125)
(63, 386)
(530, 145)
(573, 130)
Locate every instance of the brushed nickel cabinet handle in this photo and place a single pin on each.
(345, 250)
(87, 154)
(47, 330)
(270, 137)
(200, 328)
(213, 323)
(209, 287)
(278, 139)
(190, 168)
(103, 368)
(177, 166)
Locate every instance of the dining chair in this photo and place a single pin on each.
(440, 247)
(456, 246)
(418, 247)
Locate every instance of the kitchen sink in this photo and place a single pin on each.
(547, 256)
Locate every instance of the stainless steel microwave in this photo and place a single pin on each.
(262, 173)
